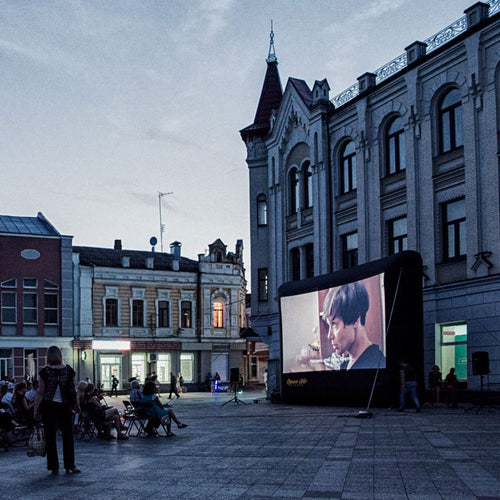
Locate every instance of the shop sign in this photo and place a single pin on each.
(111, 345)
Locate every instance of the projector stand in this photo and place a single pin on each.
(235, 399)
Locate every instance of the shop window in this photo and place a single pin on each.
(218, 312)
(348, 168)
(163, 313)
(111, 312)
(253, 367)
(51, 309)
(163, 367)
(30, 308)
(261, 210)
(453, 340)
(138, 313)
(9, 307)
(6, 365)
(187, 366)
(263, 283)
(349, 250)
(398, 235)
(186, 311)
(139, 366)
(454, 237)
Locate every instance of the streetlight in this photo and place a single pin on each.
(162, 226)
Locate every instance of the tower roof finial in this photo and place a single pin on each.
(271, 57)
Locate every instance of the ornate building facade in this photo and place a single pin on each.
(406, 158)
(139, 313)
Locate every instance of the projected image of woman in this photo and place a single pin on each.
(344, 312)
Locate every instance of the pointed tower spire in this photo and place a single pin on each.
(270, 96)
(272, 53)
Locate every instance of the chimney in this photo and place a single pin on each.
(118, 244)
(175, 249)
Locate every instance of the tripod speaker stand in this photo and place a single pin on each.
(235, 382)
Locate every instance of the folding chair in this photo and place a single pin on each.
(85, 429)
(144, 424)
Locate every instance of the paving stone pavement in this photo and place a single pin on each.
(268, 450)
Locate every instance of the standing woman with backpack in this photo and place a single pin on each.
(54, 403)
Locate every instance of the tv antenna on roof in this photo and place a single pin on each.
(162, 226)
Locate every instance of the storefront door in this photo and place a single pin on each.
(110, 365)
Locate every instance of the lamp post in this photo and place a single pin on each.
(162, 226)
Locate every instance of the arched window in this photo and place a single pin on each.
(395, 147)
(308, 185)
(294, 191)
(348, 168)
(261, 210)
(450, 121)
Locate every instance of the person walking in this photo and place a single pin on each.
(114, 386)
(54, 403)
(173, 386)
(408, 377)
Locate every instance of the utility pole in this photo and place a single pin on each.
(162, 226)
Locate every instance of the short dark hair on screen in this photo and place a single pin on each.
(348, 302)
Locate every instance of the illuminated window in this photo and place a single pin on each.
(454, 236)
(111, 312)
(30, 308)
(454, 349)
(9, 307)
(51, 308)
(395, 147)
(31, 363)
(139, 367)
(349, 250)
(348, 168)
(261, 210)
(163, 367)
(450, 122)
(187, 366)
(218, 314)
(398, 235)
(163, 314)
(186, 308)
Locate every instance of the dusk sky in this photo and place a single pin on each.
(105, 103)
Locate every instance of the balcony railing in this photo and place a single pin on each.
(400, 62)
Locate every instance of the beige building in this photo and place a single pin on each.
(139, 313)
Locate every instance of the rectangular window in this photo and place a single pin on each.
(138, 313)
(187, 366)
(309, 251)
(6, 364)
(163, 313)
(218, 315)
(51, 309)
(30, 308)
(30, 283)
(398, 235)
(9, 309)
(454, 229)
(263, 285)
(111, 312)
(139, 366)
(454, 349)
(186, 307)
(349, 250)
(163, 367)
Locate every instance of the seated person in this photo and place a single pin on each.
(7, 398)
(32, 391)
(157, 409)
(23, 411)
(102, 416)
(135, 391)
(10, 431)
